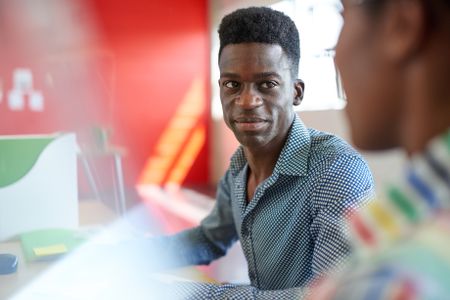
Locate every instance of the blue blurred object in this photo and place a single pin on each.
(8, 263)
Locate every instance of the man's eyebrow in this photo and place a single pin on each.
(257, 76)
(267, 74)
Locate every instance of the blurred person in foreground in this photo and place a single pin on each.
(394, 58)
(287, 187)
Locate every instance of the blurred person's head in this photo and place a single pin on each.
(258, 61)
(393, 56)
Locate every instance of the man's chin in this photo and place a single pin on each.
(251, 140)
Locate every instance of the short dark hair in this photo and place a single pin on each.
(261, 25)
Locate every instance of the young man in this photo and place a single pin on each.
(395, 65)
(287, 186)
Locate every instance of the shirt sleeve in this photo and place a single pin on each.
(204, 291)
(206, 242)
(346, 184)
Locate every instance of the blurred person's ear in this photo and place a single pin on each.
(404, 29)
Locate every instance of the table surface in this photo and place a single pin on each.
(47, 275)
(91, 213)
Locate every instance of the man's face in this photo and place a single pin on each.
(370, 79)
(257, 93)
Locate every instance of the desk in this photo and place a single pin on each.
(82, 275)
(91, 213)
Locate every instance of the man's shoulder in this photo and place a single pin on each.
(328, 144)
(337, 162)
(316, 153)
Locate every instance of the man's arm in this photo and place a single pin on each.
(204, 291)
(206, 242)
(347, 184)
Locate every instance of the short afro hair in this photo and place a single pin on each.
(261, 25)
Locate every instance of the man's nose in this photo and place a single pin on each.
(249, 98)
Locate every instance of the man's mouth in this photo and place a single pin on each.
(250, 123)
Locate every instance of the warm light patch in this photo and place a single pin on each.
(187, 157)
(180, 142)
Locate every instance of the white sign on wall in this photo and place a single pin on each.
(23, 94)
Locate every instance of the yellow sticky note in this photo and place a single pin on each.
(50, 250)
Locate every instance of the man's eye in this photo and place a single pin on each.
(268, 84)
(231, 84)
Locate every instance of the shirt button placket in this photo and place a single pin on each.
(247, 245)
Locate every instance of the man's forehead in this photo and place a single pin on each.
(258, 53)
(260, 74)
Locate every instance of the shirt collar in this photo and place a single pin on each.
(293, 159)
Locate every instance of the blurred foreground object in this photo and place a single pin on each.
(38, 183)
(395, 67)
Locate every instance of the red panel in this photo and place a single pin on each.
(137, 65)
(159, 48)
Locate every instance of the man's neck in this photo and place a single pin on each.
(261, 163)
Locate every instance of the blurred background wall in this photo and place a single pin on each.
(117, 73)
(136, 78)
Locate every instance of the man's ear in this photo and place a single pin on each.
(299, 87)
(405, 25)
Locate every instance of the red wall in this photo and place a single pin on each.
(139, 60)
(160, 47)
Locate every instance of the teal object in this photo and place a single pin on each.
(18, 154)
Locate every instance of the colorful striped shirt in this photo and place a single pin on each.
(403, 239)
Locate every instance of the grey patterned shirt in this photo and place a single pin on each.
(291, 230)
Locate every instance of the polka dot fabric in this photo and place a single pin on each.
(291, 231)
